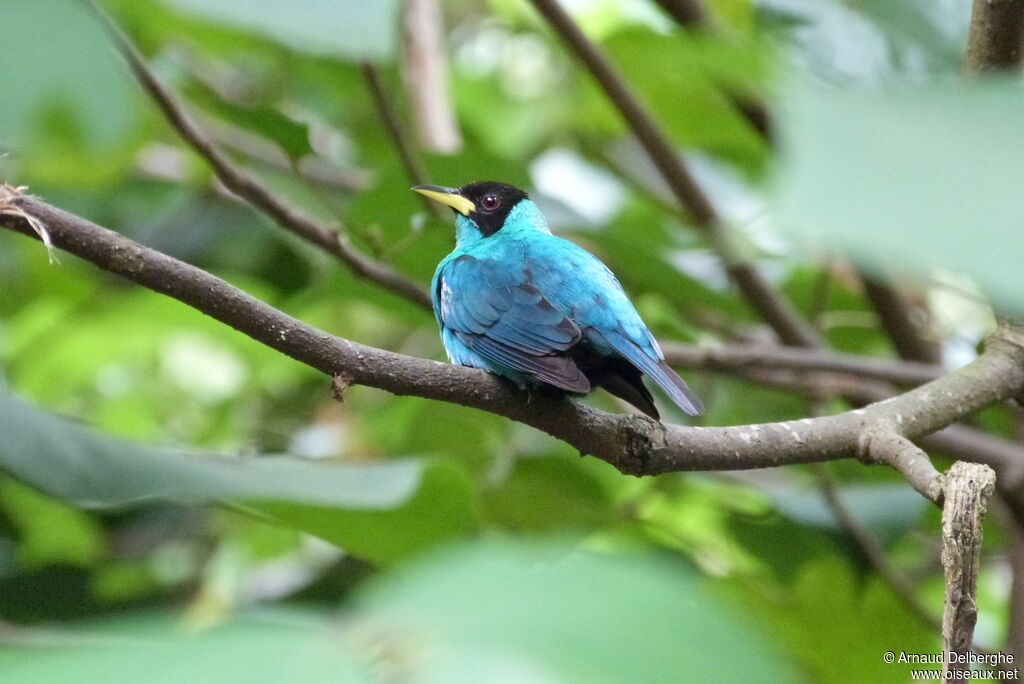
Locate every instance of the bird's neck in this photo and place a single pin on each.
(524, 218)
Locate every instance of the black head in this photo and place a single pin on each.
(488, 205)
(493, 202)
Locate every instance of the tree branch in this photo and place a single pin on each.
(967, 488)
(633, 444)
(765, 299)
(996, 36)
(426, 76)
(819, 373)
(1015, 637)
(895, 316)
(872, 550)
(883, 442)
(692, 14)
(731, 357)
(249, 188)
(405, 147)
(688, 13)
(890, 305)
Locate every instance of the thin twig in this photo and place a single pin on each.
(403, 145)
(252, 190)
(895, 316)
(873, 551)
(764, 298)
(886, 443)
(729, 357)
(692, 14)
(688, 13)
(1008, 516)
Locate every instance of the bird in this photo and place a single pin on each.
(537, 309)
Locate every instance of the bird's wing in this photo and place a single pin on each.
(579, 281)
(496, 310)
(649, 361)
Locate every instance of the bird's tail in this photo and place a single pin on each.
(625, 381)
(658, 371)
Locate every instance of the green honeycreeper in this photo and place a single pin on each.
(515, 300)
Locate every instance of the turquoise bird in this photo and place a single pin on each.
(515, 300)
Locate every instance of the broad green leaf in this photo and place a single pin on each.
(57, 64)
(270, 647)
(545, 493)
(328, 28)
(840, 651)
(780, 546)
(90, 469)
(499, 612)
(922, 178)
(379, 511)
(886, 508)
(684, 79)
(263, 119)
(936, 31)
(444, 507)
(849, 321)
(49, 532)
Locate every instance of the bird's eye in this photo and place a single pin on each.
(490, 202)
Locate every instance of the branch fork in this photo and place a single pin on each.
(883, 443)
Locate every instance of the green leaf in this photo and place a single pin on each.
(444, 507)
(268, 121)
(496, 612)
(684, 79)
(90, 469)
(840, 651)
(325, 28)
(270, 647)
(49, 532)
(885, 508)
(917, 178)
(929, 28)
(60, 76)
(380, 511)
(550, 492)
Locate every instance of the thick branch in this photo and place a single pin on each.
(765, 299)
(967, 488)
(633, 444)
(249, 188)
(817, 373)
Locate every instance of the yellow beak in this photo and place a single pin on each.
(449, 196)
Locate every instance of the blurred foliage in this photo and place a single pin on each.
(217, 516)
